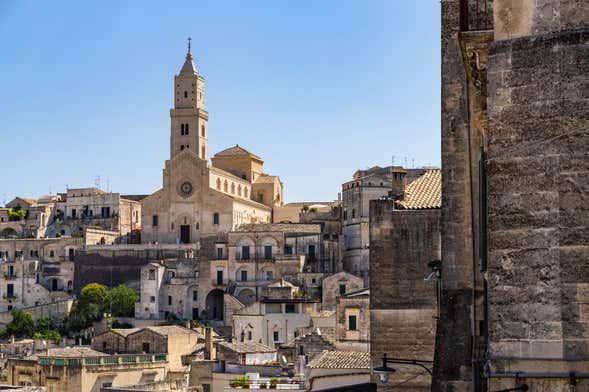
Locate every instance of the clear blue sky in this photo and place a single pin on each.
(318, 89)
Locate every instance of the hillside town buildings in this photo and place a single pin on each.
(469, 277)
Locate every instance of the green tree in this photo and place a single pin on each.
(22, 324)
(123, 300)
(94, 293)
(44, 324)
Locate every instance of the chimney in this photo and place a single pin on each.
(209, 347)
(398, 182)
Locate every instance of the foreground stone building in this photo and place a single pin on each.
(405, 240)
(514, 215)
(366, 185)
(197, 200)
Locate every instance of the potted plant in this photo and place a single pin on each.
(273, 382)
(263, 386)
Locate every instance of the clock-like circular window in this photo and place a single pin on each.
(186, 189)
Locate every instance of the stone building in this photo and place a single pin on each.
(246, 353)
(274, 321)
(352, 317)
(514, 218)
(339, 370)
(336, 285)
(172, 340)
(405, 242)
(197, 200)
(366, 185)
(35, 272)
(169, 289)
(71, 214)
(83, 369)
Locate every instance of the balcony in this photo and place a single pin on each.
(265, 384)
(9, 276)
(109, 360)
(9, 296)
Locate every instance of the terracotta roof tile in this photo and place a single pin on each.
(341, 360)
(423, 193)
(247, 347)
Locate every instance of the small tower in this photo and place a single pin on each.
(188, 119)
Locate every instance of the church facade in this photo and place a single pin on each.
(198, 200)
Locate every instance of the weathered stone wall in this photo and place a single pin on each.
(403, 306)
(109, 342)
(538, 182)
(359, 307)
(107, 270)
(453, 364)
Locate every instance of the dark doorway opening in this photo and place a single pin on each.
(185, 234)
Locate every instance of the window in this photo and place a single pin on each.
(169, 300)
(73, 213)
(219, 253)
(105, 212)
(352, 322)
(202, 130)
(314, 280)
(10, 290)
(268, 252)
(145, 347)
(244, 276)
(103, 346)
(10, 271)
(290, 308)
(288, 249)
(353, 213)
(185, 94)
(151, 274)
(301, 350)
(216, 218)
(182, 147)
(249, 335)
(345, 214)
(245, 252)
(206, 387)
(269, 275)
(154, 220)
(273, 308)
(275, 336)
(186, 129)
(152, 299)
(195, 295)
(182, 129)
(219, 277)
(342, 288)
(51, 253)
(171, 274)
(311, 252)
(218, 184)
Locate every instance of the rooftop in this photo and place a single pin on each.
(247, 347)
(341, 360)
(72, 352)
(423, 193)
(280, 227)
(236, 152)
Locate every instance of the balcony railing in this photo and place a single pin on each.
(219, 283)
(124, 359)
(9, 296)
(476, 15)
(10, 276)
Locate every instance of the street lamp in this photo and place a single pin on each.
(385, 371)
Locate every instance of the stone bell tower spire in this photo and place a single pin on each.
(189, 120)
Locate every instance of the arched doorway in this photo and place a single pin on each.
(247, 296)
(9, 232)
(215, 305)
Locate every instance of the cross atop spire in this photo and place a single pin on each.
(188, 68)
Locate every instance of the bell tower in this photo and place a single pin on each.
(188, 120)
